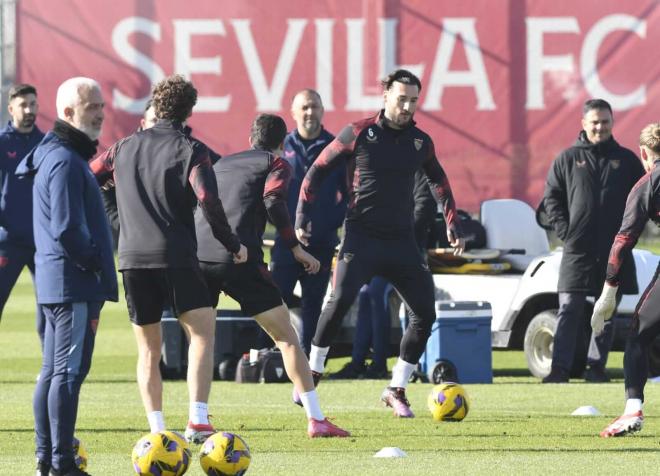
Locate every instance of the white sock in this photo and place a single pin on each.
(310, 401)
(633, 405)
(317, 358)
(401, 373)
(199, 413)
(156, 422)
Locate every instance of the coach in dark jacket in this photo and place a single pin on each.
(585, 196)
(75, 267)
(302, 146)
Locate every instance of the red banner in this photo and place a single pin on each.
(502, 87)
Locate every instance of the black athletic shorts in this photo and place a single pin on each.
(149, 291)
(250, 284)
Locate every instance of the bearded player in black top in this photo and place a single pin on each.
(252, 186)
(382, 153)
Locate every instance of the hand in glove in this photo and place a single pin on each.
(604, 308)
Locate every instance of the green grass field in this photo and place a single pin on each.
(515, 425)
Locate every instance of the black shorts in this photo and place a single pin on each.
(248, 283)
(149, 291)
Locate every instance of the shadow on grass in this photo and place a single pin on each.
(511, 373)
(521, 372)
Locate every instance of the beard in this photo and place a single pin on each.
(90, 131)
(312, 126)
(28, 121)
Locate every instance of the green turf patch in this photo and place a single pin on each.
(515, 425)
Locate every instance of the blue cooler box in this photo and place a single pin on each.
(461, 334)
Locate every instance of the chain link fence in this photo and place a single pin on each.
(7, 53)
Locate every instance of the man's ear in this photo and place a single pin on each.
(68, 112)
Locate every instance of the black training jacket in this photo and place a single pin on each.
(585, 197)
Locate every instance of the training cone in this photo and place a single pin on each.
(586, 410)
(391, 452)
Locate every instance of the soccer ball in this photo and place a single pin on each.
(79, 454)
(225, 454)
(187, 454)
(157, 454)
(448, 402)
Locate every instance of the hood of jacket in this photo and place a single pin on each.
(32, 161)
(583, 143)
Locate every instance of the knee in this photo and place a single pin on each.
(422, 323)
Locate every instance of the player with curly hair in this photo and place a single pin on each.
(161, 174)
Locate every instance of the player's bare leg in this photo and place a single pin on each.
(150, 383)
(276, 323)
(199, 325)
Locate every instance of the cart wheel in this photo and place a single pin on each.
(170, 373)
(418, 374)
(443, 371)
(227, 368)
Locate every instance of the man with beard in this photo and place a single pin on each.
(383, 153)
(301, 148)
(75, 267)
(585, 197)
(18, 138)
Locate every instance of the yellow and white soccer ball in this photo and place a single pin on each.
(158, 454)
(448, 402)
(80, 454)
(224, 454)
(187, 453)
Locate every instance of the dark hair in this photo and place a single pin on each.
(267, 132)
(596, 104)
(173, 98)
(21, 90)
(401, 76)
(148, 104)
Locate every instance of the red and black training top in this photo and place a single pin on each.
(381, 166)
(253, 187)
(161, 175)
(643, 204)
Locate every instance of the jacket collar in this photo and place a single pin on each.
(382, 122)
(76, 139)
(10, 129)
(583, 143)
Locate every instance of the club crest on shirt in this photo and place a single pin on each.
(348, 257)
(11, 155)
(616, 163)
(371, 135)
(418, 143)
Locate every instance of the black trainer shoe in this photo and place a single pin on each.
(74, 471)
(374, 372)
(596, 375)
(42, 468)
(556, 375)
(350, 371)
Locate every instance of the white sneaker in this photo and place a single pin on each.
(198, 433)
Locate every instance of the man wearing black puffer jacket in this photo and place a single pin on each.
(585, 197)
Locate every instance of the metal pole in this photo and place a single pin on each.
(7, 53)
